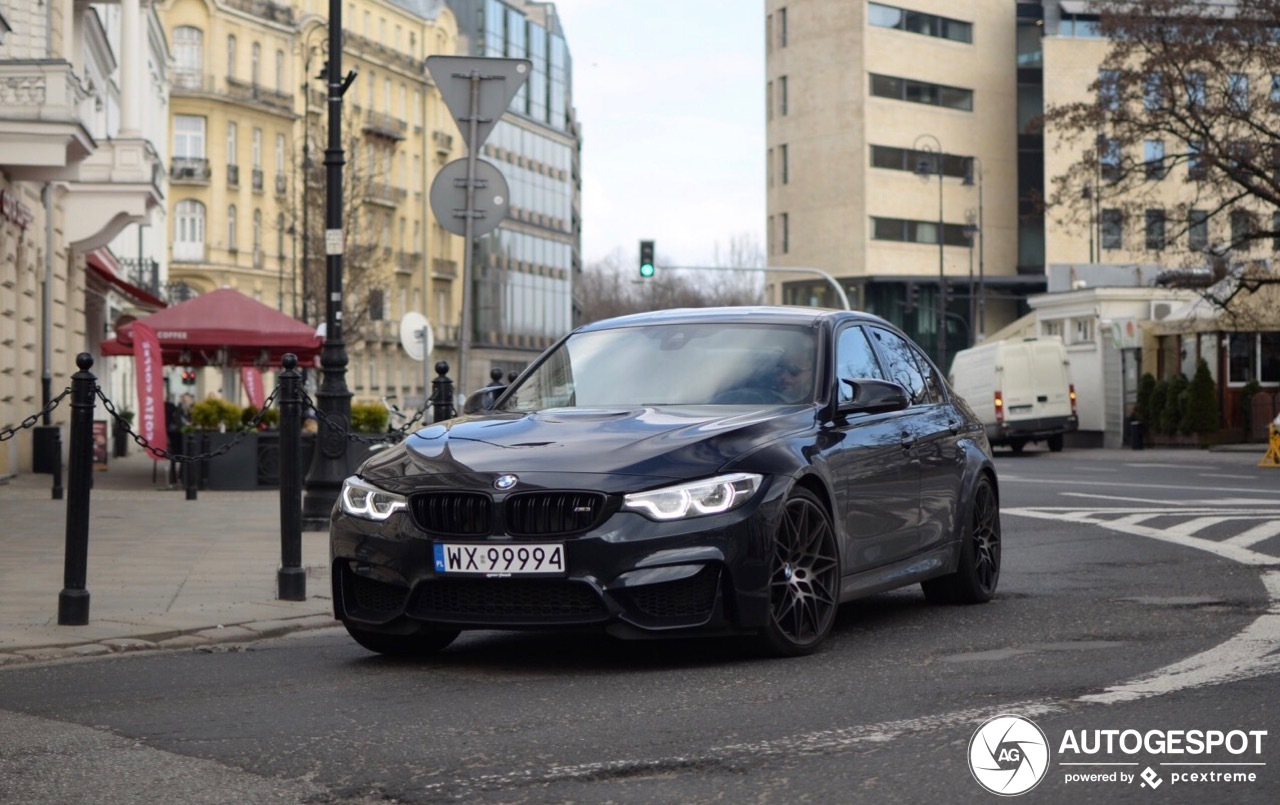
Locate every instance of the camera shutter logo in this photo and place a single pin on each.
(1008, 755)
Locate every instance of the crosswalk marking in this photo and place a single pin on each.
(1258, 533)
(1190, 527)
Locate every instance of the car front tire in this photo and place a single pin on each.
(978, 573)
(421, 644)
(804, 578)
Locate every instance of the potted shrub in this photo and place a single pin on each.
(1200, 415)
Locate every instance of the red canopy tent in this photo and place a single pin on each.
(223, 328)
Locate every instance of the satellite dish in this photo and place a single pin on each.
(415, 335)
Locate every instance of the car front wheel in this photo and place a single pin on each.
(975, 579)
(421, 644)
(804, 578)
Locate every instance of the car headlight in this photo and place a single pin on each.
(696, 498)
(362, 499)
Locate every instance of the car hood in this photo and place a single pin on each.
(659, 443)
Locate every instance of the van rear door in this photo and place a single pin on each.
(1052, 384)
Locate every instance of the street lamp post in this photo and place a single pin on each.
(975, 172)
(923, 170)
(329, 461)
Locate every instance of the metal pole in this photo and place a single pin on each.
(464, 338)
(291, 579)
(73, 601)
(973, 301)
(942, 276)
(982, 244)
(329, 464)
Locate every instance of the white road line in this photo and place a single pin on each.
(1167, 466)
(1272, 500)
(1131, 500)
(1258, 533)
(1190, 527)
(1225, 475)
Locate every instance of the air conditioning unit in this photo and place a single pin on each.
(1160, 310)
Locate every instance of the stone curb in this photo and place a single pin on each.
(196, 638)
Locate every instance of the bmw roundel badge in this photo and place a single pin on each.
(505, 482)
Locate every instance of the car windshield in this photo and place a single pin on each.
(673, 364)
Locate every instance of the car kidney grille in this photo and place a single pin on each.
(545, 513)
(461, 514)
(511, 601)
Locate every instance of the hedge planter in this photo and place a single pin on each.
(254, 461)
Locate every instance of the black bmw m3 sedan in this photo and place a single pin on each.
(724, 471)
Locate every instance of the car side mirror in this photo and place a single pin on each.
(873, 396)
(482, 399)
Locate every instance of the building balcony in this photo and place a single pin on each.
(443, 142)
(42, 134)
(143, 273)
(385, 194)
(189, 170)
(383, 125)
(282, 184)
(257, 180)
(250, 92)
(369, 49)
(264, 10)
(233, 176)
(408, 262)
(444, 269)
(119, 184)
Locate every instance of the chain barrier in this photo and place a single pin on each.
(393, 435)
(251, 427)
(34, 419)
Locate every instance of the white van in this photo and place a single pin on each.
(1020, 389)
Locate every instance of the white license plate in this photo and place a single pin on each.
(500, 560)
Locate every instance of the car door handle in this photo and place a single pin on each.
(908, 441)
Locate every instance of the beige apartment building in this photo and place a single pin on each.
(249, 128)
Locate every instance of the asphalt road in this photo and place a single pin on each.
(1138, 593)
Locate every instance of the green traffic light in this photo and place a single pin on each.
(646, 270)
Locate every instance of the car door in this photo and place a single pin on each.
(936, 427)
(876, 475)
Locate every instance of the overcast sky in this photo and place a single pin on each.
(671, 97)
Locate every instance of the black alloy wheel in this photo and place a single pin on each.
(804, 578)
(420, 644)
(978, 573)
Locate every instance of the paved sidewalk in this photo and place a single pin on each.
(163, 571)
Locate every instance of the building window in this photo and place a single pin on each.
(280, 233)
(917, 22)
(231, 228)
(257, 149)
(1109, 158)
(1155, 229)
(907, 159)
(784, 236)
(1081, 331)
(768, 101)
(280, 71)
(769, 235)
(1153, 159)
(255, 59)
(188, 55)
(232, 144)
(377, 304)
(280, 156)
(1051, 328)
(905, 89)
(257, 238)
(782, 27)
(188, 136)
(231, 56)
(783, 169)
(1080, 26)
(1196, 168)
(1238, 92)
(1242, 230)
(1154, 98)
(1112, 229)
(188, 230)
(1195, 89)
(1109, 89)
(907, 231)
(1253, 356)
(782, 96)
(1197, 229)
(768, 166)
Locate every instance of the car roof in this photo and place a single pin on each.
(755, 314)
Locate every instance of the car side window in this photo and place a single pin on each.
(903, 365)
(854, 358)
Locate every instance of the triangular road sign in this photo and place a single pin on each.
(499, 80)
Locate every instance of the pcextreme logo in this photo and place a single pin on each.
(1008, 755)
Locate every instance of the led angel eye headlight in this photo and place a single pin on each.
(696, 498)
(360, 498)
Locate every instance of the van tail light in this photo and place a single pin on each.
(1000, 406)
(1071, 392)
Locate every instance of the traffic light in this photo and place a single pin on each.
(188, 377)
(646, 258)
(913, 296)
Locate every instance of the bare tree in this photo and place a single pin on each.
(613, 287)
(1196, 77)
(368, 204)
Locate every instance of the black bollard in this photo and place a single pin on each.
(189, 467)
(441, 394)
(73, 601)
(57, 464)
(291, 578)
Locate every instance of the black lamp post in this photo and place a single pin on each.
(923, 169)
(329, 462)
